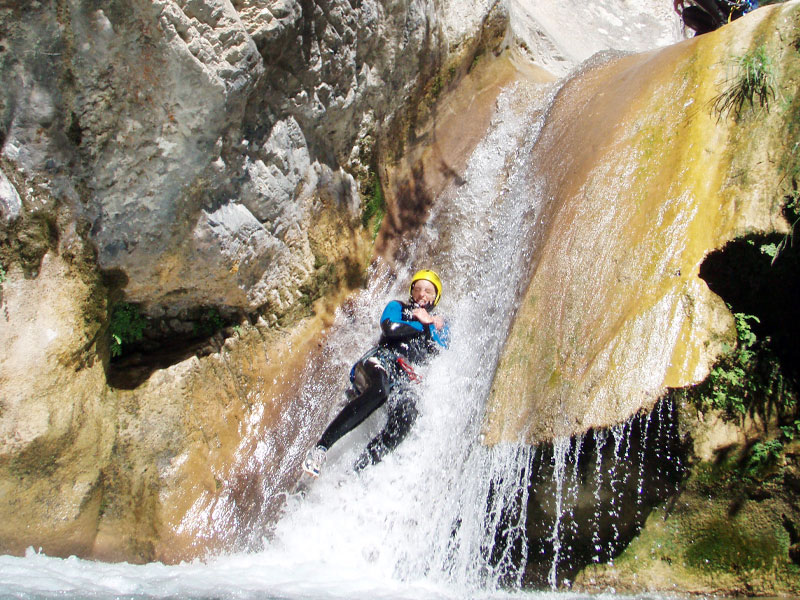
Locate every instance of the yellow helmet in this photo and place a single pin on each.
(428, 275)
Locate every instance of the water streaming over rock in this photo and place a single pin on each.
(444, 513)
(443, 507)
(592, 493)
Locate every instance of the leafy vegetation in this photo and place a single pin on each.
(753, 82)
(791, 430)
(437, 86)
(746, 374)
(792, 211)
(749, 380)
(127, 326)
(2, 276)
(210, 323)
(762, 455)
(374, 206)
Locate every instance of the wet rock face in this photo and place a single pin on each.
(208, 152)
(560, 34)
(616, 311)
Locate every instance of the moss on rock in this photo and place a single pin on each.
(724, 533)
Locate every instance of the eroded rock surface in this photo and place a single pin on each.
(196, 153)
(149, 117)
(643, 179)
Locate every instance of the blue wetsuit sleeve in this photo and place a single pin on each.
(441, 336)
(396, 328)
(393, 325)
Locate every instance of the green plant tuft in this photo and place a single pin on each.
(747, 378)
(375, 205)
(792, 211)
(791, 430)
(437, 86)
(127, 325)
(210, 323)
(731, 385)
(753, 82)
(762, 455)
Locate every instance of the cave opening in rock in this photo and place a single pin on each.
(141, 343)
(744, 274)
(591, 495)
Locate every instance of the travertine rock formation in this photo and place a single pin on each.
(643, 178)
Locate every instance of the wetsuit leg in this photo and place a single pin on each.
(361, 407)
(398, 424)
(715, 10)
(698, 20)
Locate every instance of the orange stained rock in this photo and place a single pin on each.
(641, 181)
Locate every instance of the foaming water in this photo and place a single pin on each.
(238, 577)
(246, 576)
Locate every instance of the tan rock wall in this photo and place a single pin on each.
(199, 153)
(642, 180)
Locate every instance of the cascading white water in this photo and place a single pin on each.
(590, 494)
(560, 449)
(434, 509)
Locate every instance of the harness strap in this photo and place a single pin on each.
(412, 375)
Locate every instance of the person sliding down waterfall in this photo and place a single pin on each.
(410, 334)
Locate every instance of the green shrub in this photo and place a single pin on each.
(791, 430)
(763, 454)
(731, 384)
(753, 82)
(2, 276)
(749, 380)
(437, 86)
(127, 325)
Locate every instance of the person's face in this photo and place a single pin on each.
(423, 292)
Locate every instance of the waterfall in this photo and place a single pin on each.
(592, 493)
(442, 507)
(444, 513)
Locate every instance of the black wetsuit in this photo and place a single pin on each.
(707, 15)
(382, 374)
